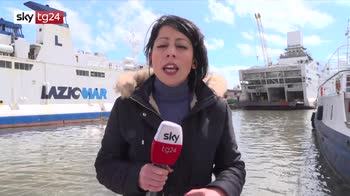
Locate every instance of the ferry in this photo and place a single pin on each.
(331, 120)
(48, 82)
(289, 84)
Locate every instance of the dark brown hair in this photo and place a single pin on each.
(193, 33)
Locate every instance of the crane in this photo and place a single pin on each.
(262, 40)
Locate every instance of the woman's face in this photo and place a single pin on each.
(172, 56)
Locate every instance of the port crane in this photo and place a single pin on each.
(267, 59)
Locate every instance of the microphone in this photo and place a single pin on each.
(166, 146)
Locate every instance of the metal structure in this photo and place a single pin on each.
(267, 59)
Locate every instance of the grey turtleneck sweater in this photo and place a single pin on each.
(173, 102)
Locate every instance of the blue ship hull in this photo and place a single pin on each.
(38, 120)
(335, 148)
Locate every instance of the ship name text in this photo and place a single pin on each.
(67, 92)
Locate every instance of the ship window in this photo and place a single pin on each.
(97, 74)
(348, 83)
(82, 72)
(332, 112)
(23, 66)
(293, 80)
(5, 64)
(319, 112)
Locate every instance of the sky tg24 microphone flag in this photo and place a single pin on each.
(167, 144)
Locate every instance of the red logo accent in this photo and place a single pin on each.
(49, 17)
(165, 154)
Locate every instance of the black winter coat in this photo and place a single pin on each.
(209, 146)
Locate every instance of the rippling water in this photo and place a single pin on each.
(278, 148)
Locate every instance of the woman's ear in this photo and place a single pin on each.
(194, 64)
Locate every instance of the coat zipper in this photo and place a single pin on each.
(151, 110)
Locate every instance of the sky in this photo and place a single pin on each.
(229, 26)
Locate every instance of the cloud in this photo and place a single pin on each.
(342, 2)
(80, 31)
(277, 40)
(282, 16)
(246, 49)
(229, 72)
(214, 43)
(132, 16)
(220, 12)
(274, 39)
(313, 40)
(248, 36)
(127, 22)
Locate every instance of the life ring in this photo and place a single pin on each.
(337, 86)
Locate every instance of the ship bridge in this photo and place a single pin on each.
(10, 28)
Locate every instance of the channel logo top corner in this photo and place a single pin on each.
(38, 17)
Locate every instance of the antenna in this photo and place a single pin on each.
(347, 35)
(134, 45)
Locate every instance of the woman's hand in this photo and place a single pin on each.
(153, 178)
(206, 192)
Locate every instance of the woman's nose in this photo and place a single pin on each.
(171, 52)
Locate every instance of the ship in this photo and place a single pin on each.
(331, 120)
(291, 83)
(48, 82)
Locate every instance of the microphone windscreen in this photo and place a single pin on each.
(167, 144)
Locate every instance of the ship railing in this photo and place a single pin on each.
(338, 63)
(340, 60)
(104, 64)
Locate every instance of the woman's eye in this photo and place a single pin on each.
(162, 46)
(182, 47)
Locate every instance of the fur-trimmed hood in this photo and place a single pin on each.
(129, 80)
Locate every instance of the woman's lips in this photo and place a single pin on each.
(170, 69)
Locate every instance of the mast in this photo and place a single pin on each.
(347, 35)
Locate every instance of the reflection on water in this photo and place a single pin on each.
(50, 161)
(281, 156)
(278, 148)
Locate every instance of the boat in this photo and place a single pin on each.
(331, 120)
(289, 84)
(48, 82)
(232, 97)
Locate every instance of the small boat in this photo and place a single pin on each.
(331, 121)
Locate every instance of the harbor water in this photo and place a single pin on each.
(278, 147)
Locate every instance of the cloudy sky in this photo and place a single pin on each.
(229, 26)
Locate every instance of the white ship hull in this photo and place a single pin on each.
(279, 87)
(289, 84)
(48, 83)
(51, 93)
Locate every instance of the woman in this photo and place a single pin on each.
(175, 92)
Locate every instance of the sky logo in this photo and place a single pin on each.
(38, 17)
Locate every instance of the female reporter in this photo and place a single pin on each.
(176, 92)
